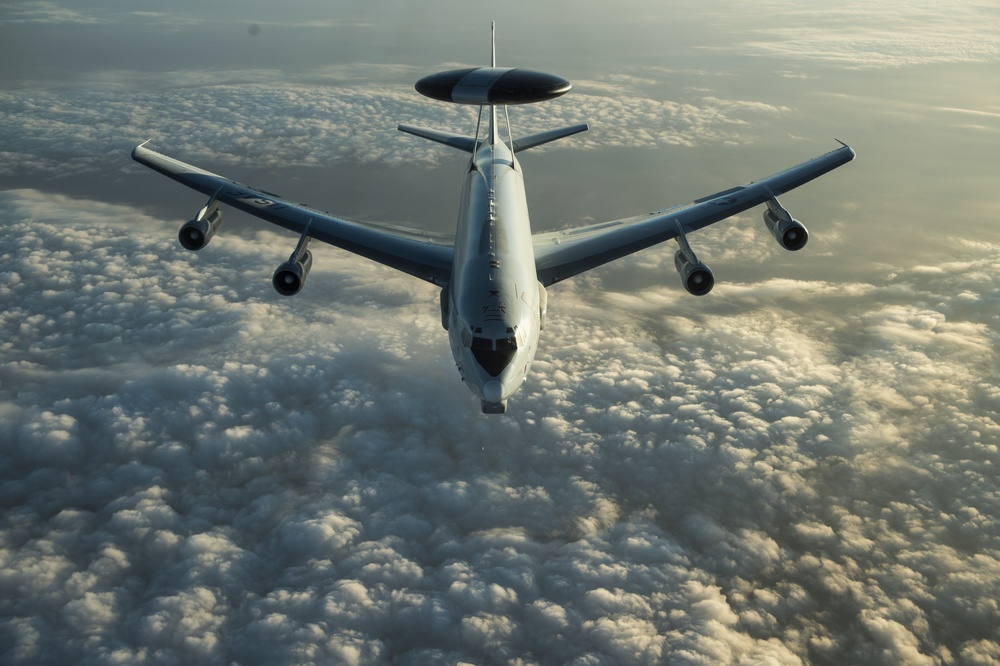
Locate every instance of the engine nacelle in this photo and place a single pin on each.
(196, 233)
(290, 277)
(790, 233)
(696, 277)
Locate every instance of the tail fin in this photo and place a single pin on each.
(533, 140)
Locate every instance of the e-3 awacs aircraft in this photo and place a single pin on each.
(494, 273)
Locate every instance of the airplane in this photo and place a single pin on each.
(494, 273)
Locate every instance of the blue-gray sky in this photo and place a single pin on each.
(798, 468)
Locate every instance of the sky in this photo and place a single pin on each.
(799, 468)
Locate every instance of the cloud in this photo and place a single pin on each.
(39, 12)
(225, 119)
(878, 34)
(197, 470)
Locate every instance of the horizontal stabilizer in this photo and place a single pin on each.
(468, 144)
(533, 140)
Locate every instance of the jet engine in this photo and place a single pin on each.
(789, 232)
(196, 233)
(696, 277)
(290, 277)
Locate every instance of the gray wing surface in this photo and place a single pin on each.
(563, 254)
(421, 254)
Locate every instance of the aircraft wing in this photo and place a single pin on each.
(422, 254)
(563, 254)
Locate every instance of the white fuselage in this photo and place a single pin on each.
(493, 297)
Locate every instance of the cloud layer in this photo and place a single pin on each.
(196, 470)
(866, 35)
(56, 133)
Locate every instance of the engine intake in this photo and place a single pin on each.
(196, 233)
(696, 276)
(290, 277)
(790, 234)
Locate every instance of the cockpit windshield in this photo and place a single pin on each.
(494, 355)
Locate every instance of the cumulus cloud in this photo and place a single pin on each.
(228, 119)
(197, 470)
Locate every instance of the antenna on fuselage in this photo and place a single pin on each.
(493, 43)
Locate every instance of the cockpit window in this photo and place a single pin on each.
(506, 344)
(494, 355)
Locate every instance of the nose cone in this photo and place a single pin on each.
(493, 391)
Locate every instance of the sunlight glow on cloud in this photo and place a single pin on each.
(863, 35)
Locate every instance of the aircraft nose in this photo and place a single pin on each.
(493, 391)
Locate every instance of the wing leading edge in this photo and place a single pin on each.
(563, 254)
(421, 254)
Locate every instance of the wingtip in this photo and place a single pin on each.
(853, 153)
(851, 150)
(135, 151)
